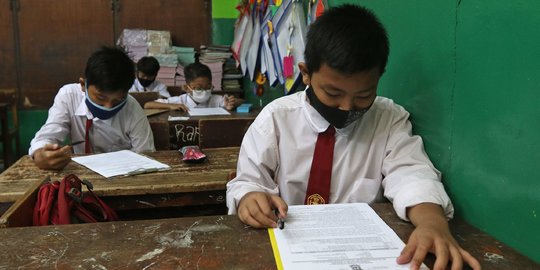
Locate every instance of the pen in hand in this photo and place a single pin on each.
(75, 143)
(280, 221)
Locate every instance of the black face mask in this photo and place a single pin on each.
(336, 117)
(145, 83)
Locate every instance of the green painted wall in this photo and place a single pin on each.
(496, 127)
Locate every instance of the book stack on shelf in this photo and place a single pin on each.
(134, 41)
(232, 78)
(214, 56)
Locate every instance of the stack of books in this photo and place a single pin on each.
(186, 55)
(214, 56)
(134, 41)
(232, 76)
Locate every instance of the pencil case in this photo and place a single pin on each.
(192, 154)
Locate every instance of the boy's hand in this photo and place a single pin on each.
(256, 209)
(178, 107)
(53, 156)
(433, 235)
(230, 102)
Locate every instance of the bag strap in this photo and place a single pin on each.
(93, 209)
(69, 185)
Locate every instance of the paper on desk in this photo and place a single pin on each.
(124, 162)
(207, 111)
(178, 118)
(335, 236)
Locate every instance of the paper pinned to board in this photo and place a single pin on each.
(335, 236)
(125, 163)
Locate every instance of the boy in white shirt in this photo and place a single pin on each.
(147, 70)
(199, 93)
(337, 142)
(97, 111)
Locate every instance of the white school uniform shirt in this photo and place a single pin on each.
(128, 129)
(155, 86)
(375, 156)
(214, 101)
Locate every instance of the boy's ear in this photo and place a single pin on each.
(306, 79)
(81, 81)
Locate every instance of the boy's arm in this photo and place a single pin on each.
(409, 176)
(167, 106)
(140, 133)
(254, 193)
(58, 124)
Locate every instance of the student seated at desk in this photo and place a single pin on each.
(337, 142)
(199, 93)
(147, 70)
(97, 111)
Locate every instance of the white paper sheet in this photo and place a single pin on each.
(207, 111)
(336, 236)
(123, 162)
(178, 118)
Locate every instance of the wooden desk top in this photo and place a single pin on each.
(211, 242)
(209, 175)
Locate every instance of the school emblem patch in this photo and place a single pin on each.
(315, 199)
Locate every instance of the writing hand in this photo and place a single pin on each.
(53, 156)
(256, 209)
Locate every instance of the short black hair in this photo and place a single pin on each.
(148, 65)
(196, 70)
(110, 69)
(347, 38)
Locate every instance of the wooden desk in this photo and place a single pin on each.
(211, 242)
(176, 134)
(185, 184)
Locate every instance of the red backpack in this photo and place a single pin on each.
(65, 203)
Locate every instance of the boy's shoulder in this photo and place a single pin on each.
(70, 91)
(288, 102)
(386, 105)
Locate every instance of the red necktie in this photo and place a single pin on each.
(318, 190)
(87, 148)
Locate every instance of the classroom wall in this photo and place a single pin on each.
(468, 71)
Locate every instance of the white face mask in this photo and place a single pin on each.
(201, 96)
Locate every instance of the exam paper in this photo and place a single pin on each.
(335, 236)
(124, 162)
(178, 118)
(207, 111)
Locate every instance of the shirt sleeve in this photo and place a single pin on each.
(162, 89)
(257, 164)
(409, 176)
(57, 127)
(142, 138)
